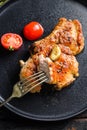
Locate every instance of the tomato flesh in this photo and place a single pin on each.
(11, 41)
(33, 30)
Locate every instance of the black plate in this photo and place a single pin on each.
(49, 105)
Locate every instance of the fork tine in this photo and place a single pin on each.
(40, 78)
(45, 79)
(36, 80)
(32, 77)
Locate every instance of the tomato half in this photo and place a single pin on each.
(33, 30)
(11, 41)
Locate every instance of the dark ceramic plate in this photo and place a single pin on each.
(49, 105)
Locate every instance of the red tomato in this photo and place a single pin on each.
(11, 41)
(33, 30)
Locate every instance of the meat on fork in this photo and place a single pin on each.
(27, 69)
(61, 72)
(66, 32)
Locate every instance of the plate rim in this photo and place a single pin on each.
(40, 118)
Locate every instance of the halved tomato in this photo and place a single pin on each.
(11, 41)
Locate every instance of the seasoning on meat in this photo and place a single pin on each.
(63, 70)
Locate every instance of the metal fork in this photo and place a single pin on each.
(26, 85)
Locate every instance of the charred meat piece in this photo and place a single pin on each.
(61, 72)
(66, 32)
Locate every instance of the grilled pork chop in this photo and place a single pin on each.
(66, 32)
(60, 72)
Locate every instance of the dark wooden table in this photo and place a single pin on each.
(11, 121)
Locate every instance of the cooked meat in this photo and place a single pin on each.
(66, 32)
(28, 68)
(61, 72)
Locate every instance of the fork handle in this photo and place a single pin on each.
(6, 101)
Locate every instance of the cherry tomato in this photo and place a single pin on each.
(11, 41)
(33, 30)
